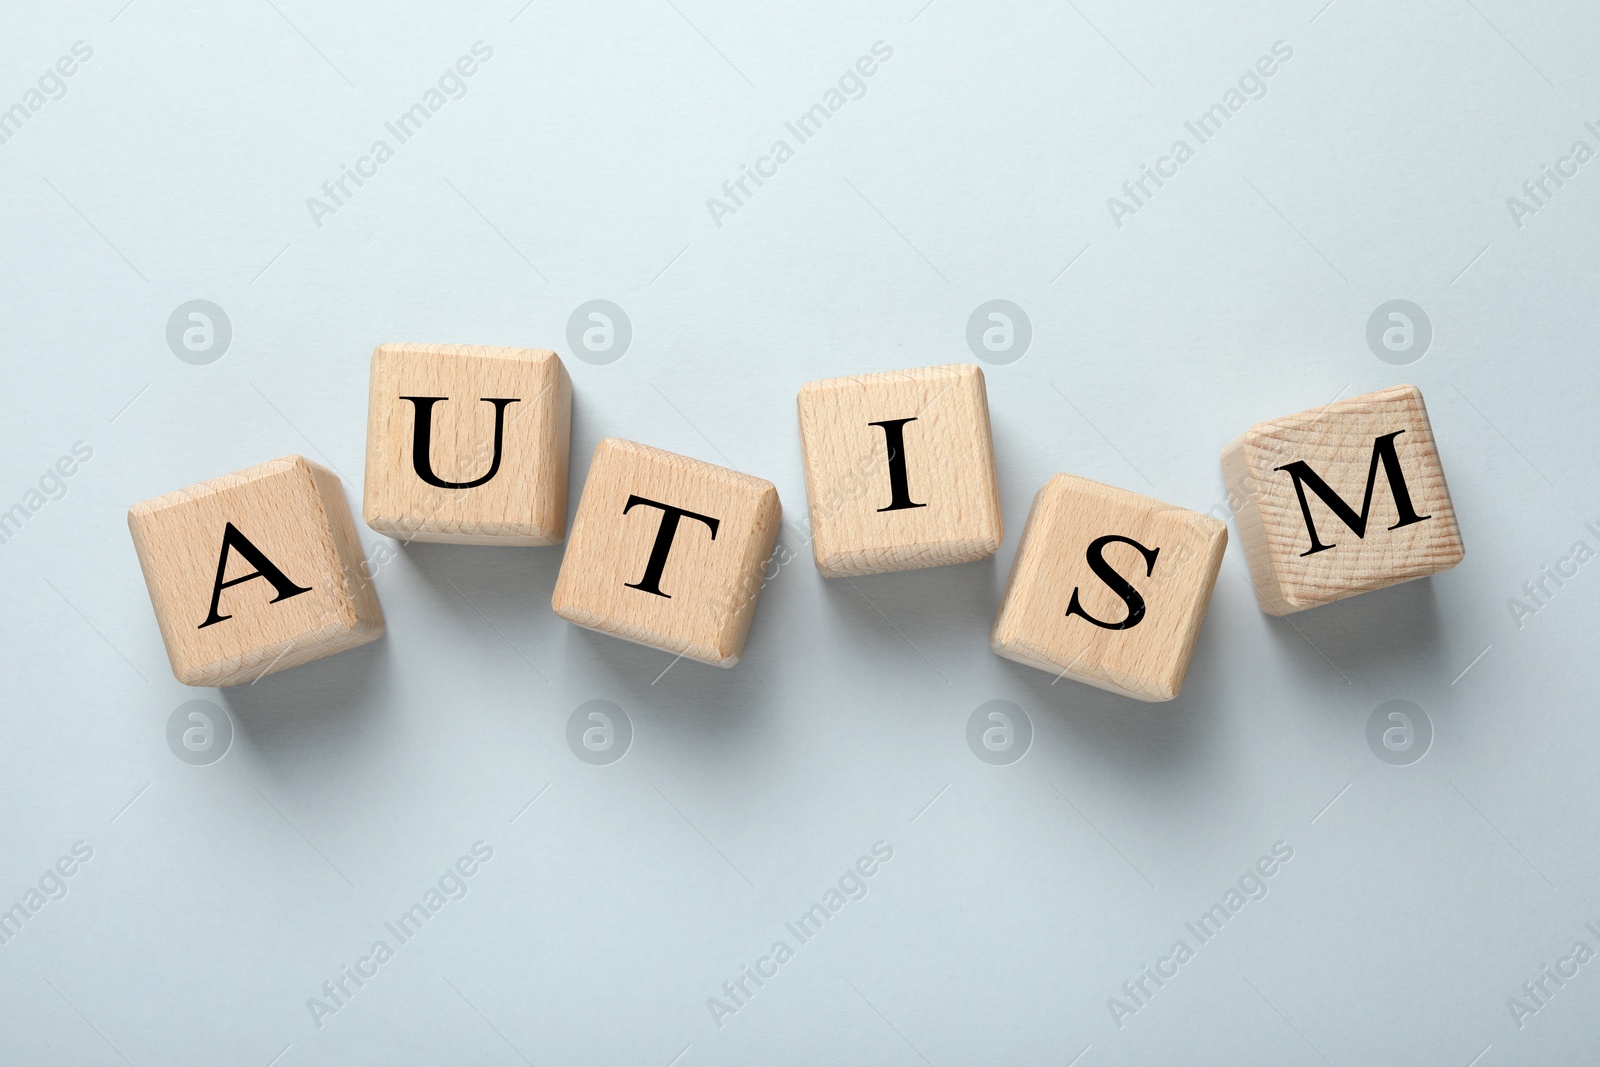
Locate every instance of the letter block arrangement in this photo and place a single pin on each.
(1294, 480)
(468, 444)
(899, 470)
(255, 572)
(668, 551)
(1109, 588)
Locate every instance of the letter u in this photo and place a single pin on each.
(423, 437)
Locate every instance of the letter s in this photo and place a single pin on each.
(1283, 50)
(883, 850)
(1115, 582)
(483, 850)
(883, 51)
(1283, 850)
(483, 51)
(82, 50)
(83, 851)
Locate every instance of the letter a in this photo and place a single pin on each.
(319, 1010)
(1519, 210)
(719, 1010)
(264, 568)
(1519, 1011)
(1119, 209)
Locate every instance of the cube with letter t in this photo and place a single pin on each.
(1109, 588)
(667, 551)
(899, 470)
(1341, 500)
(255, 572)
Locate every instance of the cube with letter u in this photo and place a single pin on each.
(468, 444)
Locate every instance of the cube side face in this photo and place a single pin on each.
(354, 569)
(1242, 493)
(497, 424)
(1350, 498)
(900, 470)
(642, 563)
(1109, 588)
(306, 603)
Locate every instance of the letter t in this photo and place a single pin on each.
(651, 582)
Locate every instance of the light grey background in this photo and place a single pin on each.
(978, 165)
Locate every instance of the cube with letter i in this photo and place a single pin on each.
(1341, 500)
(255, 572)
(667, 551)
(468, 444)
(1109, 588)
(899, 470)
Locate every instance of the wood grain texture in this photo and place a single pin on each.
(1148, 660)
(1337, 443)
(710, 583)
(948, 460)
(525, 503)
(295, 513)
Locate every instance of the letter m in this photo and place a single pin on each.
(11, 522)
(11, 121)
(11, 921)
(818, 916)
(412, 120)
(413, 920)
(1217, 114)
(1383, 452)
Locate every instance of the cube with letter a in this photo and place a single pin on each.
(468, 444)
(1341, 500)
(667, 551)
(1109, 588)
(255, 572)
(899, 470)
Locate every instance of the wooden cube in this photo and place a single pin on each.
(668, 551)
(1341, 500)
(899, 470)
(255, 572)
(468, 444)
(1109, 588)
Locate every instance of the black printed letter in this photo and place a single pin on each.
(264, 568)
(1118, 585)
(894, 439)
(424, 435)
(651, 582)
(1383, 451)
